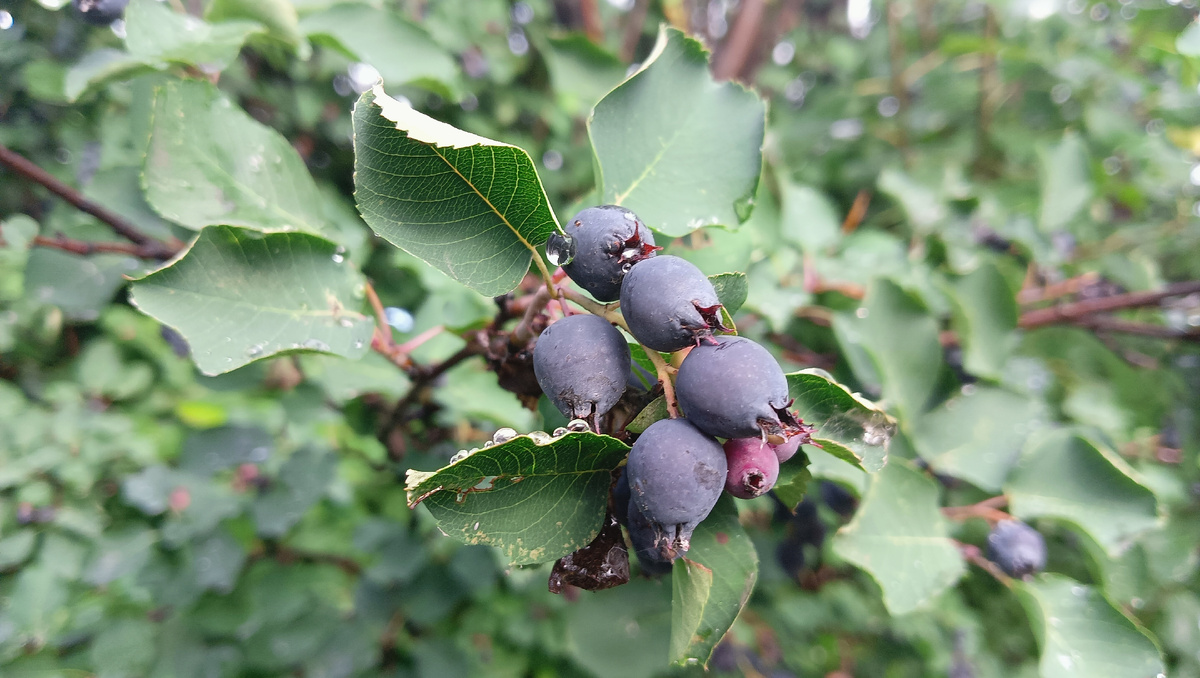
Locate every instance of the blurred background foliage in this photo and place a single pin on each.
(958, 164)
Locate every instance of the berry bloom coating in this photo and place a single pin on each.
(607, 240)
(753, 467)
(1017, 548)
(733, 388)
(669, 304)
(100, 12)
(581, 362)
(676, 474)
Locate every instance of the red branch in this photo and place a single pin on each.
(1073, 312)
(152, 249)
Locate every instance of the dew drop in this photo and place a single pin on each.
(503, 435)
(399, 318)
(255, 351)
(578, 426)
(540, 437)
(560, 431)
(315, 345)
(560, 249)
(6, 20)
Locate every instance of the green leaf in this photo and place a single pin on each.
(655, 411)
(1066, 182)
(901, 338)
(922, 204)
(238, 295)
(1082, 634)
(810, 220)
(279, 16)
(535, 502)
(732, 289)
(471, 207)
(848, 426)
(691, 585)
(978, 436)
(210, 163)
(156, 35)
(794, 479)
(581, 71)
(985, 316)
(1188, 42)
(402, 52)
(100, 66)
(301, 482)
(678, 148)
(718, 575)
(631, 622)
(899, 537)
(124, 648)
(18, 234)
(1063, 475)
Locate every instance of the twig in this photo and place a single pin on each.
(972, 553)
(591, 21)
(423, 377)
(606, 311)
(635, 22)
(896, 59)
(19, 164)
(664, 377)
(1109, 324)
(61, 242)
(815, 284)
(523, 332)
(988, 509)
(989, 84)
(858, 210)
(381, 340)
(1073, 312)
(1033, 295)
(728, 63)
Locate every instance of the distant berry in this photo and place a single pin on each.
(1017, 548)
(100, 12)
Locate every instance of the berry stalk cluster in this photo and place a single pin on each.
(728, 387)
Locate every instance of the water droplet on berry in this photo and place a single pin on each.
(560, 249)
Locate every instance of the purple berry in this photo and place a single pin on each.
(669, 304)
(676, 474)
(733, 388)
(1017, 548)
(582, 362)
(606, 242)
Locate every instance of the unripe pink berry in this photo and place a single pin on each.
(753, 467)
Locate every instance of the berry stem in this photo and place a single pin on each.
(607, 311)
(664, 378)
(988, 509)
(971, 553)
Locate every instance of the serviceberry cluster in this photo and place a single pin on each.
(728, 387)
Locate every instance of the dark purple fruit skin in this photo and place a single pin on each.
(606, 239)
(100, 12)
(620, 498)
(581, 362)
(644, 538)
(753, 467)
(676, 474)
(725, 387)
(660, 300)
(1017, 548)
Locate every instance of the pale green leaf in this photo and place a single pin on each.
(402, 52)
(849, 426)
(978, 435)
(156, 34)
(1082, 635)
(712, 595)
(1188, 42)
(210, 163)
(535, 502)
(1066, 476)
(809, 218)
(985, 316)
(676, 147)
(900, 538)
(1066, 182)
(238, 295)
(279, 17)
(469, 206)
